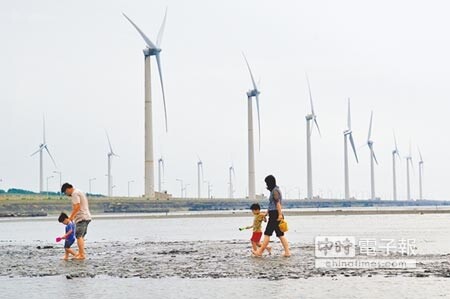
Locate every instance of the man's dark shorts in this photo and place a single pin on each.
(81, 228)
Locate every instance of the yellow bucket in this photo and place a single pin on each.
(283, 226)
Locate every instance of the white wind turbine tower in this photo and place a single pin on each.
(160, 173)
(230, 184)
(408, 179)
(199, 177)
(309, 127)
(42, 147)
(420, 176)
(373, 160)
(252, 93)
(110, 155)
(348, 135)
(395, 155)
(151, 50)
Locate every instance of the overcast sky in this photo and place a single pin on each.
(81, 64)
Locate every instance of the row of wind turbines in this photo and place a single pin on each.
(154, 49)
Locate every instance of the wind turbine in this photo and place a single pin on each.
(199, 177)
(161, 172)
(252, 93)
(181, 186)
(373, 160)
(420, 176)
(312, 117)
(110, 155)
(209, 188)
(348, 135)
(43, 146)
(395, 155)
(408, 179)
(185, 190)
(231, 186)
(151, 50)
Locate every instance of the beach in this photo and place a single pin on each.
(212, 253)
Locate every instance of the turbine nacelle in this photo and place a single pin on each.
(151, 51)
(310, 117)
(253, 93)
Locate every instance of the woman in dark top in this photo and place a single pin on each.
(275, 216)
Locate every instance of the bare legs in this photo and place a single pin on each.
(265, 245)
(255, 247)
(67, 252)
(284, 242)
(81, 253)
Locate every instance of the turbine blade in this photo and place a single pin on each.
(374, 157)
(396, 147)
(53, 160)
(317, 126)
(36, 152)
(353, 147)
(310, 95)
(161, 30)
(395, 141)
(43, 129)
(349, 118)
(109, 142)
(370, 127)
(259, 121)
(420, 155)
(158, 61)
(250, 71)
(146, 39)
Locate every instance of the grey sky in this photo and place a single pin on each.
(81, 63)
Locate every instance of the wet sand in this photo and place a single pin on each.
(205, 259)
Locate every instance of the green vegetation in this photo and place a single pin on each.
(16, 192)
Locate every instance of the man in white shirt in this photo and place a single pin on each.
(80, 215)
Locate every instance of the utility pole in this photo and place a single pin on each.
(90, 184)
(48, 178)
(60, 182)
(129, 182)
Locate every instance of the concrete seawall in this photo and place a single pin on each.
(38, 206)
